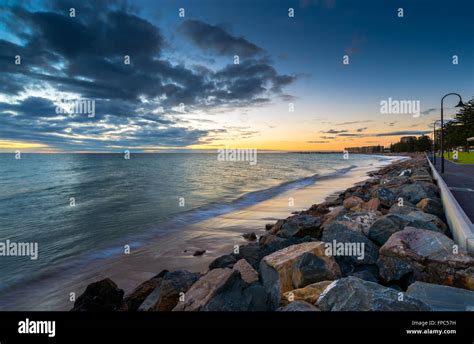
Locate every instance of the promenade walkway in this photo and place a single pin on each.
(460, 180)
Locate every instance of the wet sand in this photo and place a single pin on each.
(217, 235)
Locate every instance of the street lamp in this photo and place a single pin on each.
(460, 104)
(434, 141)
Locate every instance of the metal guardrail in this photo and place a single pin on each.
(461, 226)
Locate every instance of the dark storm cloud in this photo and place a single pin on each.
(216, 39)
(85, 55)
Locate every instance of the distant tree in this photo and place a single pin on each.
(457, 131)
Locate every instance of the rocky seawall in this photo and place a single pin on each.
(382, 245)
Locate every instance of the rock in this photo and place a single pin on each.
(166, 295)
(250, 236)
(268, 226)
(386, 197)
(354, 294)
(310, 268)
(198, 253)
(253, 252)
(336, 212)
(226, 261)
(431, 206)
(366, 274)
(309, 294)
(352, 202)
(372, 205)
(133, 301)
(442, 298)
(421, 175)
(358, 221)
(429, 218)
(206, 288)
(414, 193)
(300, 226)
(355, 247)
(394, 182)
(422, 255)
(404, 209)
(388, 224)
(247, 273)
(99, 296)
(276, 269)
(299, 306)
(268, 239)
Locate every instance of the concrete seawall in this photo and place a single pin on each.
(461, 226)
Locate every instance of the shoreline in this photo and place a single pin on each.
(408, 260)
(217, 235)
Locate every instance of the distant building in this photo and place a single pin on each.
(407, 139)
(365, 149)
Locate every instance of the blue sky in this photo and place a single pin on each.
(190, 60)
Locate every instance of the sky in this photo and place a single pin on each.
(166, 75)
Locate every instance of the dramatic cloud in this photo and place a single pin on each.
(136, 104)
(216, 39)
(318, 141)
(361, 129)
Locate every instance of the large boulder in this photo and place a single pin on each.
(99, 296)
(206, 288)
(404, 209)
(133, 300)
(238, 296)
(431, 206)
(254, 252)
(310, 268)
(359, 221)
(416, 254)
(441, 297)
(226, 261)
(354, 294)
(415, 192)
(421, 174)
(225, 290)
(388, 224)
(299, 306)
(277, 269)
(352, 202)
(300, 226)
(310, 293)
(351, 245)
(430, 219)
(166, 294)
(394, 182)
(386, 197)
(333, 214)
(247, 273)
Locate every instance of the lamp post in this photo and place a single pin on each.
(434, 141)
(460, 104)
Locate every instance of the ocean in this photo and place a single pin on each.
(79, 206)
